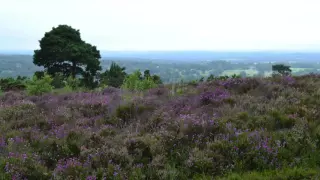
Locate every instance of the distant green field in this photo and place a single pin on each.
(249, 72)
(206, 74)
(295, 70)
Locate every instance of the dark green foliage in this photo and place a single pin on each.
(11, 84)
(140, 151)
(281, 121)
(89, 81)
(135, 82)
(28, 168)
(157, 79)
(62, 50)
(235, 76)
(114, 76)
(39, 74)
(210, 78)
(281, 69)
(58, 80)
(126, 112)
(146, 74)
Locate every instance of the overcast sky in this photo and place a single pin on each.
(166, 24)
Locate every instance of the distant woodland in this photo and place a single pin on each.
(22, 65)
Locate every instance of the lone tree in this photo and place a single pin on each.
(281, 69)
(63, 51)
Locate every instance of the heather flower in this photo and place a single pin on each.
(17, 139)
(2, 142)
(216, 96)
(288, 80)
(22, 156)
(91, 178)
(64, 164)
(140, 165)
(59, 131)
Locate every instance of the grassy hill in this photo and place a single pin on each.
(253, 128)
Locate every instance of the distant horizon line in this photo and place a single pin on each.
(155, 51)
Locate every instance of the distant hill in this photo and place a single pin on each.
(256, 56)
(187, 65)
(196, 56)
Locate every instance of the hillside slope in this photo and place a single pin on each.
(225, 129)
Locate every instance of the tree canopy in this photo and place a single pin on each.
(62, 50)
(281, 69)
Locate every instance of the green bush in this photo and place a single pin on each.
(72, 83)
(39, 86)
(134, 82)
(146, 84)
(7, 84)
(58, 81)
(131, 82)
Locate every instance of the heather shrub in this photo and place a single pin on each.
(70, 168)
(209, 161)
(11, 97)
(161, 91)
(110, 90)
(139, 150)
(21, 116)
(39, 86)
(280, 120)
(131, 111)
(22, 166)
(241, 85)
(243, 129)
(125, 112)
(215, 97)
(107, 131)
(287, 173)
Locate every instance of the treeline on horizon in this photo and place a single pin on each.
(170, 72)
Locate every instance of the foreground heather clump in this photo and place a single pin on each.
(226, 129)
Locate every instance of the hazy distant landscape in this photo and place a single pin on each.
(173, 66)
(191, 56)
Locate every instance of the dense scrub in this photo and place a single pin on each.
(224, 129)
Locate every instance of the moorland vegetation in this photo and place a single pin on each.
(72, 122)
